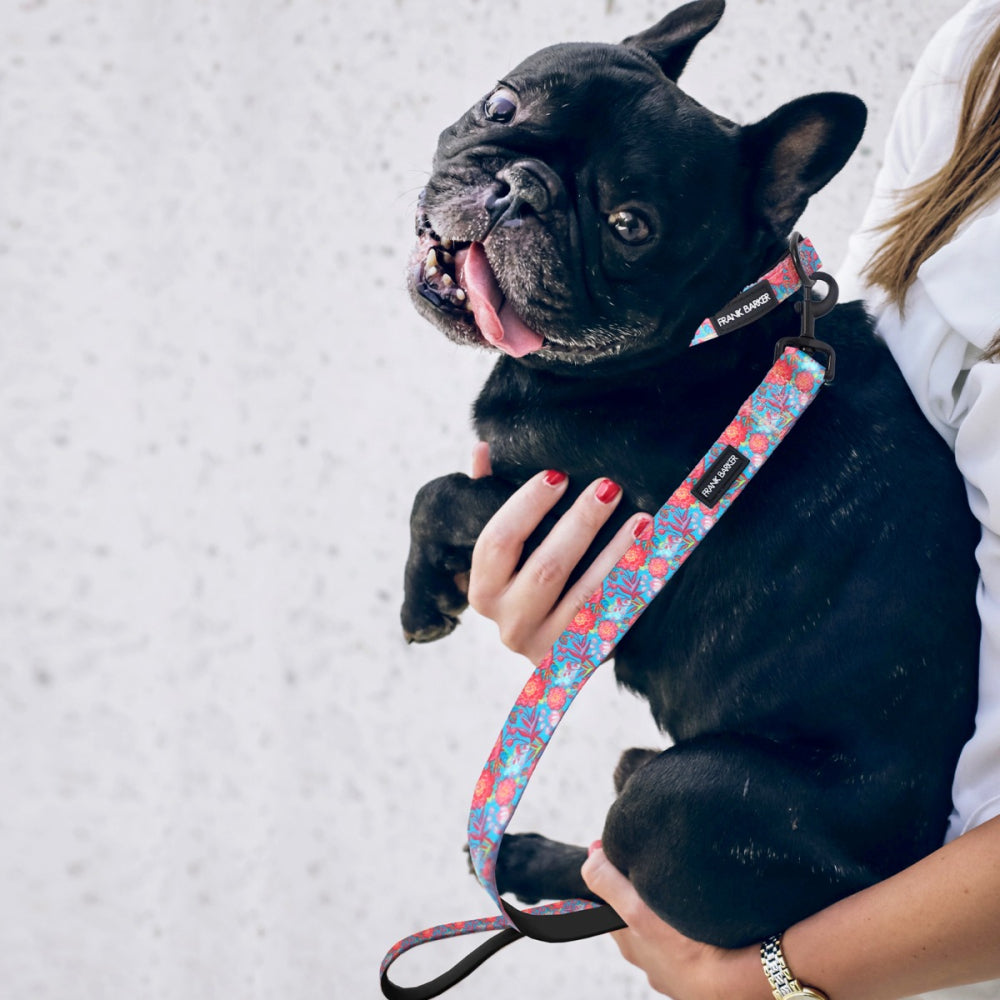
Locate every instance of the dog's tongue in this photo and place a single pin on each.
(497, 322)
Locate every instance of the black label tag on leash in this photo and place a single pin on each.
(745, 308)
(720, 476)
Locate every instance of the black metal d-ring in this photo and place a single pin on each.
(813, 309)
(810, 310)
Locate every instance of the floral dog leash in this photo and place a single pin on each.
(761, 423)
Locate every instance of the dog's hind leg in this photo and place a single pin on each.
(533, 868)
(630, 762)
(448, 515)
(730, 838)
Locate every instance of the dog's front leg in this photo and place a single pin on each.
(448, 515)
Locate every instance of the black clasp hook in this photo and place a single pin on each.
(810, 310)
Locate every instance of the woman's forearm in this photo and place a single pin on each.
(933, 925)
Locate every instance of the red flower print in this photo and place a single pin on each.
(483, 788)
(583, 621)
(632, 559)
(735, 433)
(505, 791)
(532, 691)
(495, 752)
(556, 698)
(758, 443)
(607, 631)
(780, 373)
(682, 495)
(804, 382)
(658, 567)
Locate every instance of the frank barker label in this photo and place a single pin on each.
(720, 476)
(745, 308)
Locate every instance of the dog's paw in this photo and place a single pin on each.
(433, 617)
(432, 611)
(630, 762)
(533, 868)
(517, 863)
(429, 631)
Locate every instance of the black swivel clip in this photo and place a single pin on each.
(810, 310)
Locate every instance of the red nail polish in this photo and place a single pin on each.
(643, 529)
(595, 846)
(608, 491)
(555, 478)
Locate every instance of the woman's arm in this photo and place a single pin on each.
(934, 925)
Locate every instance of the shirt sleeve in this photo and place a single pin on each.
(977, 450)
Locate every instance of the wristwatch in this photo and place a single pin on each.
(783, 984)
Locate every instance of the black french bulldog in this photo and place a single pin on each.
(815, 660)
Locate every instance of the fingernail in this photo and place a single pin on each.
(554, 477)
(608, 491)
(595, 846)
(643, 528)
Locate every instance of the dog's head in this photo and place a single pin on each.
(588, 209)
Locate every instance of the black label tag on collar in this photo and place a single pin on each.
(746, 307)
(720, 476)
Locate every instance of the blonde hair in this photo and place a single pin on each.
(931, 212)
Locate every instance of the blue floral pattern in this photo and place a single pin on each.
(758, 427)
(678, 527)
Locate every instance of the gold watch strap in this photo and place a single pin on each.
(784, 985)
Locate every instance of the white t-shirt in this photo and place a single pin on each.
(952, 314)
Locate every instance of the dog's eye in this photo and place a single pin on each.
(501, 105)
(630, 227)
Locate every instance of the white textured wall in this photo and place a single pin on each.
(223, 774)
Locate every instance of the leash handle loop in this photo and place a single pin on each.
(766, 416)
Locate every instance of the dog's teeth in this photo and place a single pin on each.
(430, 272)
(446, 244)
(447, 280)
(460, 294)
(448, 258)
(432, 260)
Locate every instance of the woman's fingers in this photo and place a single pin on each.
(499, 546)
(544, 575)
(636, 527)
(481, 466)
(606, 881)
(529, 604)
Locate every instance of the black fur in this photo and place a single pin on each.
(815, 659)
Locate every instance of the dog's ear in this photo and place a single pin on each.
(671, 41)
(797, 149)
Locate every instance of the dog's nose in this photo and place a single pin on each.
(523, 188)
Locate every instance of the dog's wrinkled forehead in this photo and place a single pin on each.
(589, 77)
(573, 95)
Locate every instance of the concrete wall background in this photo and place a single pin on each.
(224, 775)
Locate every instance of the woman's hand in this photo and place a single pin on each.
(528, 604)
(674, 965)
